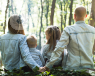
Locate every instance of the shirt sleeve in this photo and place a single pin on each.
(44, 50)
(41, 58)
(61, 44)
(26, 54)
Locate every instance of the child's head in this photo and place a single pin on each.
(52, 34)
(32, 41)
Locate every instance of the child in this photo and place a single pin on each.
(52, 36)
(36, 55)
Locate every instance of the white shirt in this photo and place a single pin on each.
(79, 39)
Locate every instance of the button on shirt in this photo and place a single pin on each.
(79, 39)
(15, 52)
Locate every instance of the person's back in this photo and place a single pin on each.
(81, 40)
(36, 54)
(11, 54)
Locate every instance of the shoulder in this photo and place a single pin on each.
(37, 51)
(21, 37)
(91, 28)
(46, 46)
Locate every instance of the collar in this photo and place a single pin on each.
(32, 48)
(78, 22)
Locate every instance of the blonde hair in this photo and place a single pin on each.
(55, 35)
(31, 41)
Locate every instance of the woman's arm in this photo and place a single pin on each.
(26, 54)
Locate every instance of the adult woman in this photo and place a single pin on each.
(14, 50)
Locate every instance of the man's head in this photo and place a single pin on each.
(80, 13)
(32, 41)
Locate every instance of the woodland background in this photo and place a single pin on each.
(38, 14)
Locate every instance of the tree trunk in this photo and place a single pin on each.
(12, 6)
(70, 18)
(92, 15)
(61, 19)
(52, 12)
(6, 15)
(41, 25)
(47, 7)
(65, 17)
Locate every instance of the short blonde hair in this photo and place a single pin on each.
(31, 41)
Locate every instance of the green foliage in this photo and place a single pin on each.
(53, 72)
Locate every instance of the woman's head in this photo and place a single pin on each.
(52, 34)
(15, 25)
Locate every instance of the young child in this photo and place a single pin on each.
(36, 55)
(52, 36)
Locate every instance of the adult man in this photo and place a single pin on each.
(79, 39)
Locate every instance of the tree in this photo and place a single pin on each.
(61, 17)
(52, 12)
(6, 15)
(92, 15)
(47, 10)
(70, 18)
(41, 25)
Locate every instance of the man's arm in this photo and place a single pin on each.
(93, 47)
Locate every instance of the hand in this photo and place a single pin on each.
(42, 69)
(46, 68)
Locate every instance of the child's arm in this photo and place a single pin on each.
(44, 51)
(41, 58)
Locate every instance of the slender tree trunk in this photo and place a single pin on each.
(29, 14)
(92, 15)
(70, 18)
(52, 12)
(65, 17)
(47, 7)
(6, 15)
(12, 6)
(41, 25)
(61, 19)
(15, 9)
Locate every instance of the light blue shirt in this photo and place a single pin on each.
(36, 55)
(46, 53)
(79, 39)
(15, 52)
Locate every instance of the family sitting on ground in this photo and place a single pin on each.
(73, 49)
